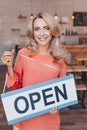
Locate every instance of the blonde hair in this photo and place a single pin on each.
(58, 52)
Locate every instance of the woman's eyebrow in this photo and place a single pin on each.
(40, 27)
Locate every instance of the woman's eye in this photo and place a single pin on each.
(47, 28)
(36, 29)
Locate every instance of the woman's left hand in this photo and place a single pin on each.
(54, 110)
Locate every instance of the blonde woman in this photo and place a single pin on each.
(48, 62)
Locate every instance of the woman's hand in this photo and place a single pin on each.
(7, 58)
(54, 110)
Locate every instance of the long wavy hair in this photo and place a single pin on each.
(57, 51)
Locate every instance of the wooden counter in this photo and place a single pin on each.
(76, 48)
(72, 48)
(76, 68)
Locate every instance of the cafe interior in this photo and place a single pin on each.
(71, 16)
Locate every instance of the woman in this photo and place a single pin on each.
(40, 61)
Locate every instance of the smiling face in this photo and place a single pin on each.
(42, 33)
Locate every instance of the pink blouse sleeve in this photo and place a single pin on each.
(15, 82)
(62, 70)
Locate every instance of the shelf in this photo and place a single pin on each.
(63, 23)
(23, 35)
(22, 17)
(15, 29)
(76, 34)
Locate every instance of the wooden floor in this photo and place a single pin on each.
(71, 119)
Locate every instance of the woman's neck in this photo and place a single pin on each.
(43, 50)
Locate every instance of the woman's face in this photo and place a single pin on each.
(42, 33)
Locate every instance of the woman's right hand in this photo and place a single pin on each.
(7, 58)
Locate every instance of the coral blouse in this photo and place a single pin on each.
(29, 71)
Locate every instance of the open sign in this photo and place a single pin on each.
(39, 99)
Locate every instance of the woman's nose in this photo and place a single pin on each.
(41, 32)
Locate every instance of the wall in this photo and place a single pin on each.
(10, 10)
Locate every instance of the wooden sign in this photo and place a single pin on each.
(39, 99)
